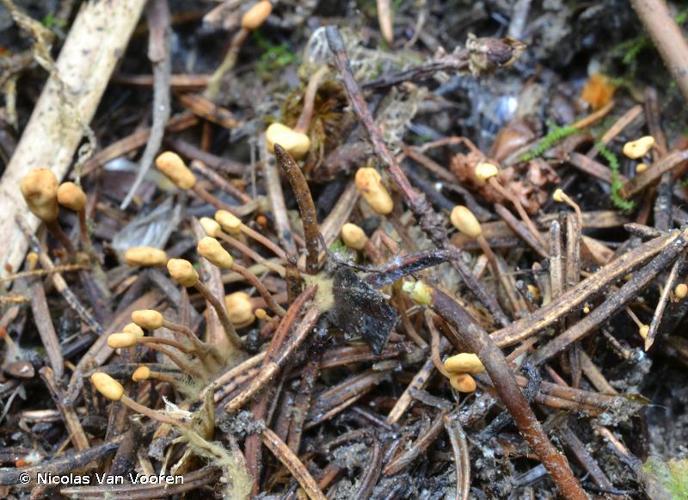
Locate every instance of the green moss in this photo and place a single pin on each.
(50, 21)
(619, 201)
(672, 475)
(274, 58)
(555, 135)
(628, 50)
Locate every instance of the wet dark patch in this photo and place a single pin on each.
(360, 310)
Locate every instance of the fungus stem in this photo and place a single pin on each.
(263, 241)
(170, 342)
(253, 280)
(150, 413)
(304, 120)
(181, 363)
(186, 331)
(54, 227)
(235, 243)
(509, 195)
(222, 315)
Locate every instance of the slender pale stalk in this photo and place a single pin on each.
(144, 410)
(222, 315)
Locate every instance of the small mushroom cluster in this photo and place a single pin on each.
(461, 367)
(192, 356)
(638, 150)
(44, 196)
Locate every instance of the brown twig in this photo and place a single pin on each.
(276, 196)
(158, 16)
(273, 366)
(472, 335)
(459, 443)
(417, 448)
(616, 301)
(304, 199)
(71, 419)
(282, 452)
(662, 302)
(46, 329)
(654, 172)
(667, 37)
(576, 296)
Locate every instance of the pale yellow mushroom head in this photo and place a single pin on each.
(175, 169)
(145, 256)
(369, 184)
(39, 189)
(229, 222)
(484, 170)
(353, 236)
(150, 319)
(256, 15)
(107, 386)
(464, 362)
(133, 328)
(121, 340)
(638, 148)
(463, 382)
(239, 309)
(212, 250)
(71, 196)
(464, 220)
(141, 373)
(295, 143)
(210, 226)
(418, 291)
(182, 272)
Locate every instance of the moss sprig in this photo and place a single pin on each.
(619, 201)
(555, 135)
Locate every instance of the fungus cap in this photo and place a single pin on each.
(212, 250)
(464, 220)
(463, 382)
(558, 195)
(121, 340)
(150, 319)
(210, 226)
(145, 256)
(239, 309)
(107, 386)
(681, 291)
(464, 362)
(229, 222)
(39, 189)
(369, 184)
(418, 291)
(71, 196)
(297, 144)
(638, 148)
(484, 170)
(133, 328)
(175, 169)
(141, 373)
(256, 15)
(182, 272)
(353, 236)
